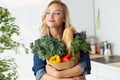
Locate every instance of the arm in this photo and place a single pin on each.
(85, 63)
(38, 67)
(49, 77)
(75, 71)
(40, 72)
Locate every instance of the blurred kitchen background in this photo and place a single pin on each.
(99, 18)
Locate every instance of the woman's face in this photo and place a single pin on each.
(54, 16)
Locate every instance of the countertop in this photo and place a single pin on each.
(95, 56)
(115, 64)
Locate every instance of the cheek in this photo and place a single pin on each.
(60, 20)
(46, 20)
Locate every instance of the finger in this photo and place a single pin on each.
(50, 67)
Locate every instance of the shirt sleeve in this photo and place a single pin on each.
(85, 63)
(40, 73)
(38, 67)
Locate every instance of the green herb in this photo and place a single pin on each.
(7, 30)
(79, 44)
(8, 69)
(47, 47)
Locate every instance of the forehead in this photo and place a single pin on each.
(55, 6)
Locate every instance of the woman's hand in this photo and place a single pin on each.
(52, 71)
(65, 73)
(74, 71)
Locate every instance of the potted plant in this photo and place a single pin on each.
(7, 30)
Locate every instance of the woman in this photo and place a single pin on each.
(55, 19)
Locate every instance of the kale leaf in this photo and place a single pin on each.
(79, 44)
(48, 46)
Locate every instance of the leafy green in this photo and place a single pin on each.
(8, 69)
(48, 46)
(79, 44)
(7, 30)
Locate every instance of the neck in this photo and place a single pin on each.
(56, 33)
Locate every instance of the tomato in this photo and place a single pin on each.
(66, 58)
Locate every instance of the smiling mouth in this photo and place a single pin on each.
(51, 20)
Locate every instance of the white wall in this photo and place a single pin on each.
(109, 22)
(81, 12)
(28, 17)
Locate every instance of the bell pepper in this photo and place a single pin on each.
(66, 58)
(54, 59)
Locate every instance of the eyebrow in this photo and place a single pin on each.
(55, 10)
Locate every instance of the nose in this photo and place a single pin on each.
(51, 15)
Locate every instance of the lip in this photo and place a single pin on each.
(51, 20)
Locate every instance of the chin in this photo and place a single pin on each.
(51, 26)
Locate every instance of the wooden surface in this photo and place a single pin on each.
(95, 56)
(117, 64)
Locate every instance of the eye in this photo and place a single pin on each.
(48, 12)
(56, 13)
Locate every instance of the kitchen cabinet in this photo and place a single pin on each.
(102, 71)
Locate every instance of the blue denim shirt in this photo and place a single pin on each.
(39, 65)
